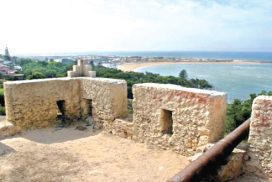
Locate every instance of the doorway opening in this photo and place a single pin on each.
(61, 110)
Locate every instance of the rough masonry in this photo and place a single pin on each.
(260, 137)
(178, 118)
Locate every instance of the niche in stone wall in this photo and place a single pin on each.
(166, 121)
(86, 108)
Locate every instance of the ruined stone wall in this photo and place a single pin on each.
(260, 137)
(198, 116)
(34, 103)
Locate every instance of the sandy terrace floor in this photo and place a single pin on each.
(73, 155)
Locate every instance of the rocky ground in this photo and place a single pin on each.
(70, 154)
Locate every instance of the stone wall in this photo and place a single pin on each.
(260, 137)
(34, 103)
(197, 116)
(109, 98)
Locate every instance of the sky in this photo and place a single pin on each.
(63, 26)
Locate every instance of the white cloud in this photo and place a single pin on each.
(49, 26)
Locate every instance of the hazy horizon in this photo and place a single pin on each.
(45, 27)
(132, 51)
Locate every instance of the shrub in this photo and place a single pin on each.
(2, 110)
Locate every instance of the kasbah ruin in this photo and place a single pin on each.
(171, 127)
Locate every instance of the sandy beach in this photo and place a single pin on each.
(133, 66)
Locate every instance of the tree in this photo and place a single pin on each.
(34, 69)
(183, 74)
(239, 111)
(92, 63)
(134, 77)
(36, 75)
(7, 55)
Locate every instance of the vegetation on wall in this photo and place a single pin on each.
(240, 110)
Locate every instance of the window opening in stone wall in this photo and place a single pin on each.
(166, 122)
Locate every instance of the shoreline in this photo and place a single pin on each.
(133, 66)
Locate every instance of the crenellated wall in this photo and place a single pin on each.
(260, 137)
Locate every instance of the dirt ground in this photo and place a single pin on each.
(73, 155)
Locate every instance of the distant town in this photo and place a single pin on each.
(113, 60)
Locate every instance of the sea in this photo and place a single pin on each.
(248, 56)
(238, 81)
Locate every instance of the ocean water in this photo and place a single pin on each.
(237, 80)
(249, 56)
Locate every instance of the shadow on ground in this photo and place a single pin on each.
(4, 149)
(58, 135)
